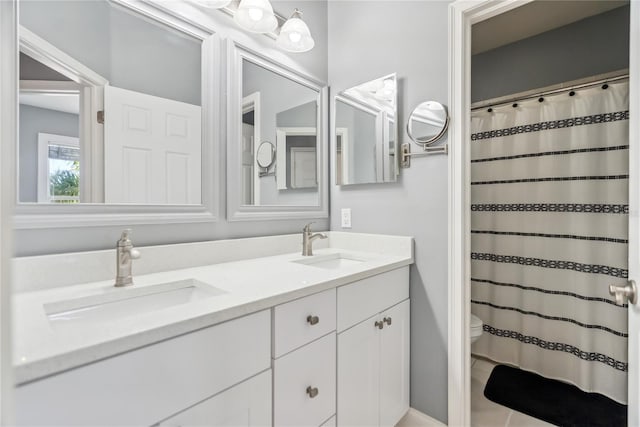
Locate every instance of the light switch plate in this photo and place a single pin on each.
(346, 217)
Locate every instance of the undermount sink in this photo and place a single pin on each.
(330, 262)
(119, 303)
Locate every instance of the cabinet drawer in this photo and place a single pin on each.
(301, 321)
(152, 383)
(246, 404)
(301, 374)
(364, 298)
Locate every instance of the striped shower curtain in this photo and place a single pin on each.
(549, 210)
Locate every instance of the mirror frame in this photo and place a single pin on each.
(236, 211)
(33, 216)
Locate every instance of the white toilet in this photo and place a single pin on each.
(476, 328)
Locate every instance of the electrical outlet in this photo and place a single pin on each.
(346, 217)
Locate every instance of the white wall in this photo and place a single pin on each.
(367, 40)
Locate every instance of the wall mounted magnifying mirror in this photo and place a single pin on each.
(265, 156)
(365, 132)
(111, 111)
(270, 102)
(427, 123)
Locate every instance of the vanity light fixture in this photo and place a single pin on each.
(256, 16)
(213, 4)
(295, 35)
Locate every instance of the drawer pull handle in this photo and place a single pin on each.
(387, 320)
(312, 391)
(379, 324)
(313, 320)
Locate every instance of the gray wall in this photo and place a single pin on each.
(361, 146)
(131, 52)
(368, 40)
(60, 240)
(592, 46)
(32, 121)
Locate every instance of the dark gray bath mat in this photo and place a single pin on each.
(551, 400)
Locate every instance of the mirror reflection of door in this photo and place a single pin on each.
(152, 67)
(297, 148)
(250, 140)
(303, 167)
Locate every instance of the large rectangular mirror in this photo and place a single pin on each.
(111, 106)
(276, 145)
(365, 133)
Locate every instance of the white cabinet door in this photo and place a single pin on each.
(394, 364)
(246, 404)
(358, 374)
(152, 149)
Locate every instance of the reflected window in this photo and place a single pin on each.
(58, 169)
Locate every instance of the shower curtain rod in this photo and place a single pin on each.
(550, 90)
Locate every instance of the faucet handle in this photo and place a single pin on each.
(307, 228)
(125, 235)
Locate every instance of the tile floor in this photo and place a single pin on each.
(485, 413)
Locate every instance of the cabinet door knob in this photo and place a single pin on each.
(312, 391)
(312, 320)
(379, 324)
(387, 320)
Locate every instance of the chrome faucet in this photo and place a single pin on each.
(125, 254)
(308, 238)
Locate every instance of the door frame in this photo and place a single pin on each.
(249, 103)
(90, 86)
(462, 15)
(8, 193)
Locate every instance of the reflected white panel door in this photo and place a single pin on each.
(303, 167)
(152, 149)
(358, 374)
(394, 364)
(248, 197)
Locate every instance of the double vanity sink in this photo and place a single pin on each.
(134, 301)
(70, 314)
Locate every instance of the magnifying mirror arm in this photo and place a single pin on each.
(406, 154)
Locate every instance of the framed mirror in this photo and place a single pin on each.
(270, 102)
(108, 132)
(427, 123)
(365, 133)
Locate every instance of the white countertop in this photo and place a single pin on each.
(41, 349)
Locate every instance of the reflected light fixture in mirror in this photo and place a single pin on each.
(256, 16)
(295, 35)
(213, 4)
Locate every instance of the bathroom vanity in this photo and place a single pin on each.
(263, 337)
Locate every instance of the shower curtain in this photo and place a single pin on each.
(549, 209)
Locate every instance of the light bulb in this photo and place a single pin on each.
(295, 37)
(255, 14)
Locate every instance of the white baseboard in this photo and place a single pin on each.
(415, 418)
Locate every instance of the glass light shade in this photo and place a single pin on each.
(256, 16)
(213, 4)
(295, 35)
